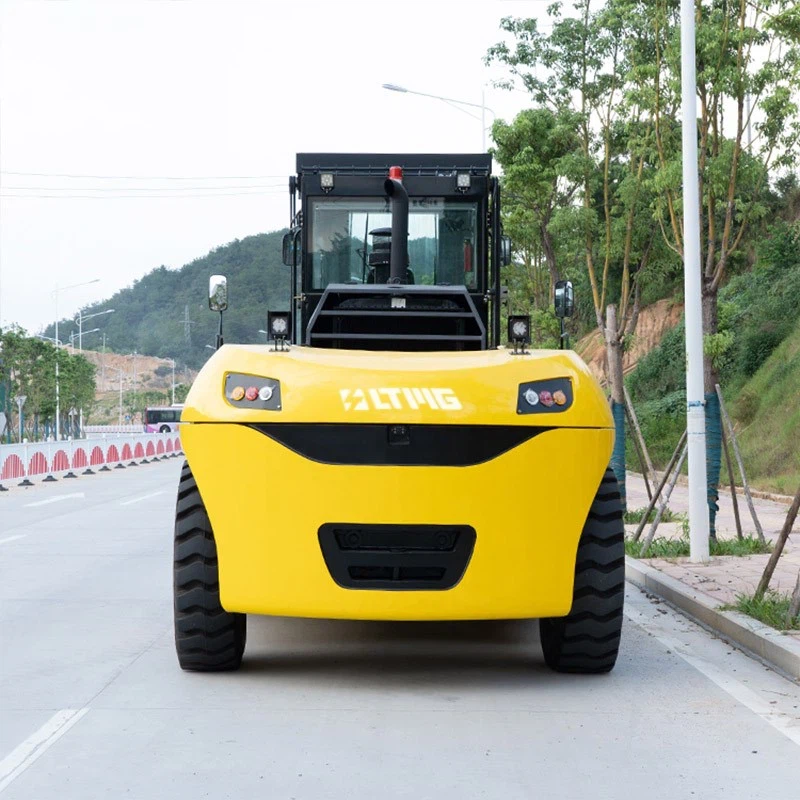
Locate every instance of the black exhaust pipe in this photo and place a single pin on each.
(398, 263)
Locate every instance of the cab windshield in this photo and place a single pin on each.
(442, 240)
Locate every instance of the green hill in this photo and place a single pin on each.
(149, 316)
(767, 410)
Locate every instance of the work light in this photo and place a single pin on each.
(519, 329)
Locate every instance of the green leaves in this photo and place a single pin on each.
(29, 369)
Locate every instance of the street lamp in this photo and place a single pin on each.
(393, 87)
(85, 333)
(58, 352)
(49, 339)
(173, 380)
(82, 317)
(121, 373)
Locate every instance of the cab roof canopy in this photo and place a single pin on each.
(379, 163)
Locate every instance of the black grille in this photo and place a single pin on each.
(397, 444)
(387, 317)
(399, 557)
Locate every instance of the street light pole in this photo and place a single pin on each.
(82, 317)
(393, 87)
(120, 392)
(695, 400)
(58, 349)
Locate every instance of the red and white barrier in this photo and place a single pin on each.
(23, 461)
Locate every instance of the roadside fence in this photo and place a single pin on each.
(49, 461)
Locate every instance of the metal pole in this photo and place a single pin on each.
(80, 330)
(58, 406)
(695, 402)
(120, 397)
(173, 381)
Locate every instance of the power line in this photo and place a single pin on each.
(147, 177)
(141, 188)
(139, 196)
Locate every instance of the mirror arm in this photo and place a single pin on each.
(219, 341)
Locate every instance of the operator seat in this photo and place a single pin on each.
(380, 257)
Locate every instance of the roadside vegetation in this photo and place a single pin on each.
(772, 608)
(28, 370)
(664, 547)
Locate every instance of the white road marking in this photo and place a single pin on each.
(12, 538)
(788, 725)
(55, 499)
(143, 497)
(19, 759)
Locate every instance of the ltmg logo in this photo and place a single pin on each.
(400, 399)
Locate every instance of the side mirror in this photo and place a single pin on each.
(564, 299)
(505, 250)
(289, 247)
(218, 293)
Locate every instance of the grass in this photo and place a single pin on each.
(771, 609)
(769, 439)
(634, 515)
(662, 547)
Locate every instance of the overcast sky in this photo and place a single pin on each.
(222, 93)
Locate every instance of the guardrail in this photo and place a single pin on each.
(21, 462)
(130, 428)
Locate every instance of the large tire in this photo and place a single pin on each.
(587, 640)
(207, 638)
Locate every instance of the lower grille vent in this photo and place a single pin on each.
(398, 557)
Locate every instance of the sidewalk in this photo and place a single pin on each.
(724, 577)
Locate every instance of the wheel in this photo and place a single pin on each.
(587, 639)
(207, 638)
(164, 429)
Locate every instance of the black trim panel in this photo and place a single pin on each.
(398, 444)
(396, 557)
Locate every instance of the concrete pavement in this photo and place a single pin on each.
(725, 577)
(95, 706)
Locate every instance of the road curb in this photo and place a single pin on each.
(783, 499)
(762, 641)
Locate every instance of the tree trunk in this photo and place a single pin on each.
(713, 420)
(615, 380)
(709, 302)
(549, 255)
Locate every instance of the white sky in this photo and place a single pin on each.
(203, 89)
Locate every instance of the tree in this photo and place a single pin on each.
(588, 137)
(29, 369)
(541, 173)
(748, 61)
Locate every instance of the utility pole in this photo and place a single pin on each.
(695, 400)
(103, 364)
(187, 324)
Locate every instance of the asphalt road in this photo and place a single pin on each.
(93, 704)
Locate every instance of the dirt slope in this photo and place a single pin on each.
(142, 373)
(654, 322)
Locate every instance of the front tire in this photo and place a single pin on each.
(207, 638)
(587, 640)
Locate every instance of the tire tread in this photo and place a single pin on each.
(207, 637)
(587, 639)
